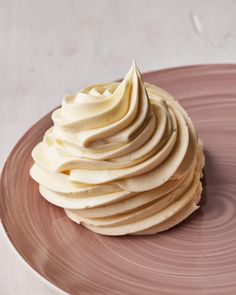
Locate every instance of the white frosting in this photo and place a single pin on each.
(121, 158)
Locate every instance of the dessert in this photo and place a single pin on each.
(121, 158)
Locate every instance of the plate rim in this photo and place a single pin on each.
(3, 224)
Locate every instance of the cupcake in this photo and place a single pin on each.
(121, 158)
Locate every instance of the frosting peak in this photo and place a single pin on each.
(119, 157)
(106, 112)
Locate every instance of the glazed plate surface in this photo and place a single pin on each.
(196, 257)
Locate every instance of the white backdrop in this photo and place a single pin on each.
(49, 48)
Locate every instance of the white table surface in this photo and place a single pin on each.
(49, 48)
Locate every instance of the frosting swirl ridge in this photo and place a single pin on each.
(121, 158)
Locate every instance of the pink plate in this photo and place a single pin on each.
(196, 257)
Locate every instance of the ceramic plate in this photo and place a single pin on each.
(196, 257)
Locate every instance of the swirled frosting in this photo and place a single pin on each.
(121, 158)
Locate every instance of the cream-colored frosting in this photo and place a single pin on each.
(121, 158)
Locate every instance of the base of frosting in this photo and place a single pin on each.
(160, 215)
